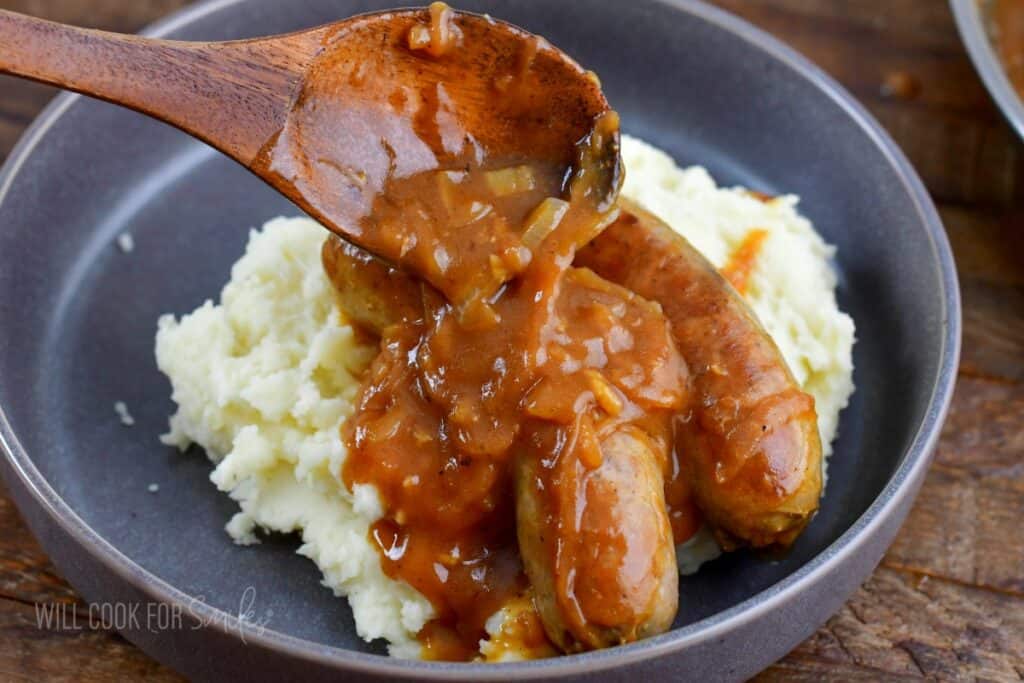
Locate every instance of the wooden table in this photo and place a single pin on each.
(947, 601)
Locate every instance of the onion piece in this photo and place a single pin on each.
(419, 37)
(604, 392)
(543, 221)
(446, 182)
(511, 180)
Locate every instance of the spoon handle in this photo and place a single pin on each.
(232, 95)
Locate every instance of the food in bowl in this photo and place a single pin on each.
(267, 379)
(1006, 28)
(563, 388)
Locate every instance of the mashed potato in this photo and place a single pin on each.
(264, 379)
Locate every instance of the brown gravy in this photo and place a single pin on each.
(378, 142)
(497, 348)
(741, 263)
(561, 357)
(1006, 25)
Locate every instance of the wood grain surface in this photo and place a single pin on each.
(947, 602)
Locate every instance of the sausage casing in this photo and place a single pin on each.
(606, 575)
(749, 442)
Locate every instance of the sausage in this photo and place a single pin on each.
(371, 292)
(617, 579)
(624, 583)
(748, 442)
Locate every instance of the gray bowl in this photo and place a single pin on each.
(77, 318)
(971, 21)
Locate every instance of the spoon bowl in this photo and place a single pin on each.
(347, 104)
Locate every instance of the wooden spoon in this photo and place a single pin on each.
(329, 114)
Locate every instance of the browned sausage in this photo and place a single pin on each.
(749, 442)
(616, 580)
(370, 292)
(618, 570)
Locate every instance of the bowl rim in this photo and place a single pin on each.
(901, 485)
(971, 25)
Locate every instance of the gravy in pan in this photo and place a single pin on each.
(1006, 25)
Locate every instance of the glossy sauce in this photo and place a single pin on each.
(742, 261)
(494, 350)
(683, 513)
(522, 635)
(1006, 25)
(566, 358)
(369, 131)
